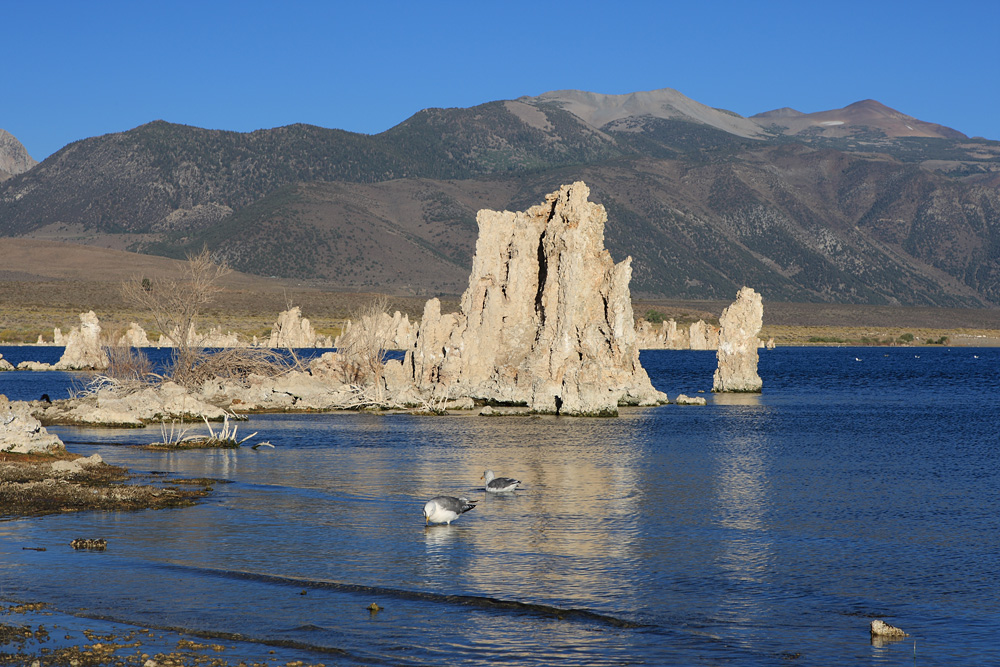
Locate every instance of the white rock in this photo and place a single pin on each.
(20, 432)
(84, 350)
(737, 355)
(546, 320)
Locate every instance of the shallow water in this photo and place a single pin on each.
(862, 482)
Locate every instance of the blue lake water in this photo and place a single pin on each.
(756, 530)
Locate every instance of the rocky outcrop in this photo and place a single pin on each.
(292, 330)
(84, 350)
(214, 337)
(397, 332)
(669, 336)
(738, 343)
(703, 336)
(108, 407)
(546, 321)
(882, 629)
(135, 336)
(21, 432)
(14, 158)
(5, 365)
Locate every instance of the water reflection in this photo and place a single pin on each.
(742, 504)
(727, 398)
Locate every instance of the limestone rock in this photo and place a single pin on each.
(668, 336)
(21, 432)
(397, 331)
(292, 330)
(703, 336)
(684, 399)
(77, 465)
(882, 629)
(14, 158)
(737, 355)
(546, 321)
(5, 365)
(110, 408)
(135, 336)
(34, 366)
(83, 346)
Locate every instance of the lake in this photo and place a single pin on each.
(757, 530)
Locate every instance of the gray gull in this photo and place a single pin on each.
(445, 509)
(496, 484)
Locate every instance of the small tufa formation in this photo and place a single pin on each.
(545, 322)
(84, 350)
(135, 336)
(5, 365)
(397, 331)
(884, 630)
(292, 330)
(698, 336)
(739, 325)
(21, 433)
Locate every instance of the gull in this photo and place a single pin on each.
(496, 484)
(445, 509)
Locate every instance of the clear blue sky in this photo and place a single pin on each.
(72, 70)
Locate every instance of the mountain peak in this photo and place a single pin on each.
(783, 112)
(14, 158)
(598, 109)
(861, 116)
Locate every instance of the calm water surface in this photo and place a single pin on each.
(757, 530)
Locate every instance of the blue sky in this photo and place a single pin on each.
(77, 69)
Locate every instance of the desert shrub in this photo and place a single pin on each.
(235, 364)
(654, 316)
(363, 346)
(174, 305)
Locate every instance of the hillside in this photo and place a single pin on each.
(843, 206)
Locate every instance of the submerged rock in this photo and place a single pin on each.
(546, 321)
(738, 342)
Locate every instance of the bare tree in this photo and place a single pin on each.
(174, 305)
(363, 346)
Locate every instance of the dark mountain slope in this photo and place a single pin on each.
(695, 232)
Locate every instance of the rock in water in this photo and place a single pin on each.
(546, 320)
(20, 432)
(739, 325)
(882, 629)
(84, 349)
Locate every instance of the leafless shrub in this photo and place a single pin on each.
(364, 344)
(128, 364)
(174, 305)
(235, 364)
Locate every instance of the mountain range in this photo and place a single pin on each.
(856, 205)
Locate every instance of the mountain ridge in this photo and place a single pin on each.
(704, 200)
